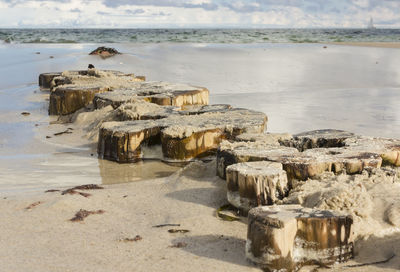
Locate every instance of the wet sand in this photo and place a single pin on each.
(370, 44)
(299, 87)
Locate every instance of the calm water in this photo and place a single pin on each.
(197, 35)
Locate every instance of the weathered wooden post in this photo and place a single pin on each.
(287, 237)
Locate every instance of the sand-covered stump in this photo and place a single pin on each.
(337, 152)
(318, 139)
(73, 90)
(266, 138)
(253, 184)
(182, 137)
(236, 152)
(142, 110)
(67, 100)
(158, 92)
(387, 149)
(287, 237)
(45, 79)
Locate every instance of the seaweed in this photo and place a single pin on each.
(82, 214)
(73, 191)
(221, 213)
(135, 239)
(178, 230)
(33, 205)
(179, 245)
(167, 225)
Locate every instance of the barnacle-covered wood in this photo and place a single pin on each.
(287, 237)
(158, 92)
(252, 184)
(351, 155)
(73, 90)
(182, 137)
(318, 138)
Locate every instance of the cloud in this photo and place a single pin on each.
(199, 13)
(161, 3)
(134, 11)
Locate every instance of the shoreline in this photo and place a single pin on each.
(368, 44)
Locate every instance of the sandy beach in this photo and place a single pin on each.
(299, 86)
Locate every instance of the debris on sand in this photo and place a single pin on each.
(82, 214)
(179, 245)
(73, 191)
(33, 205)
(167, 225)
(228, 212)
(178, 231)
(51, 191)
(135, 239)
(67, 131)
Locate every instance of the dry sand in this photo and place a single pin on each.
(43, 238)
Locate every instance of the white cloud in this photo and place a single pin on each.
(198, 13)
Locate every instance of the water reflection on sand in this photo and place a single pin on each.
(113, 172)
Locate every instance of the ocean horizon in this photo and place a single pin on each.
(197, 35)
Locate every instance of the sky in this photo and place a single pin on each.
(199, 13)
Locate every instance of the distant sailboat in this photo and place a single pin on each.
(371, 24)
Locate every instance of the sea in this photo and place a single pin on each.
(231, 36)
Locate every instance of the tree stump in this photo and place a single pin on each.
(73, 90)
(142, 110)
(46, 78)
(353, 155)
(387, 149)
(253, 184)
(319, 138)
(182, 137)
(67, 100)
(267, 138)
(287, 237)
(237, 152)
(158, 92)
(122, 141)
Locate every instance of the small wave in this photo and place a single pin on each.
(246, 36)
(37, 41)
(66, 41)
